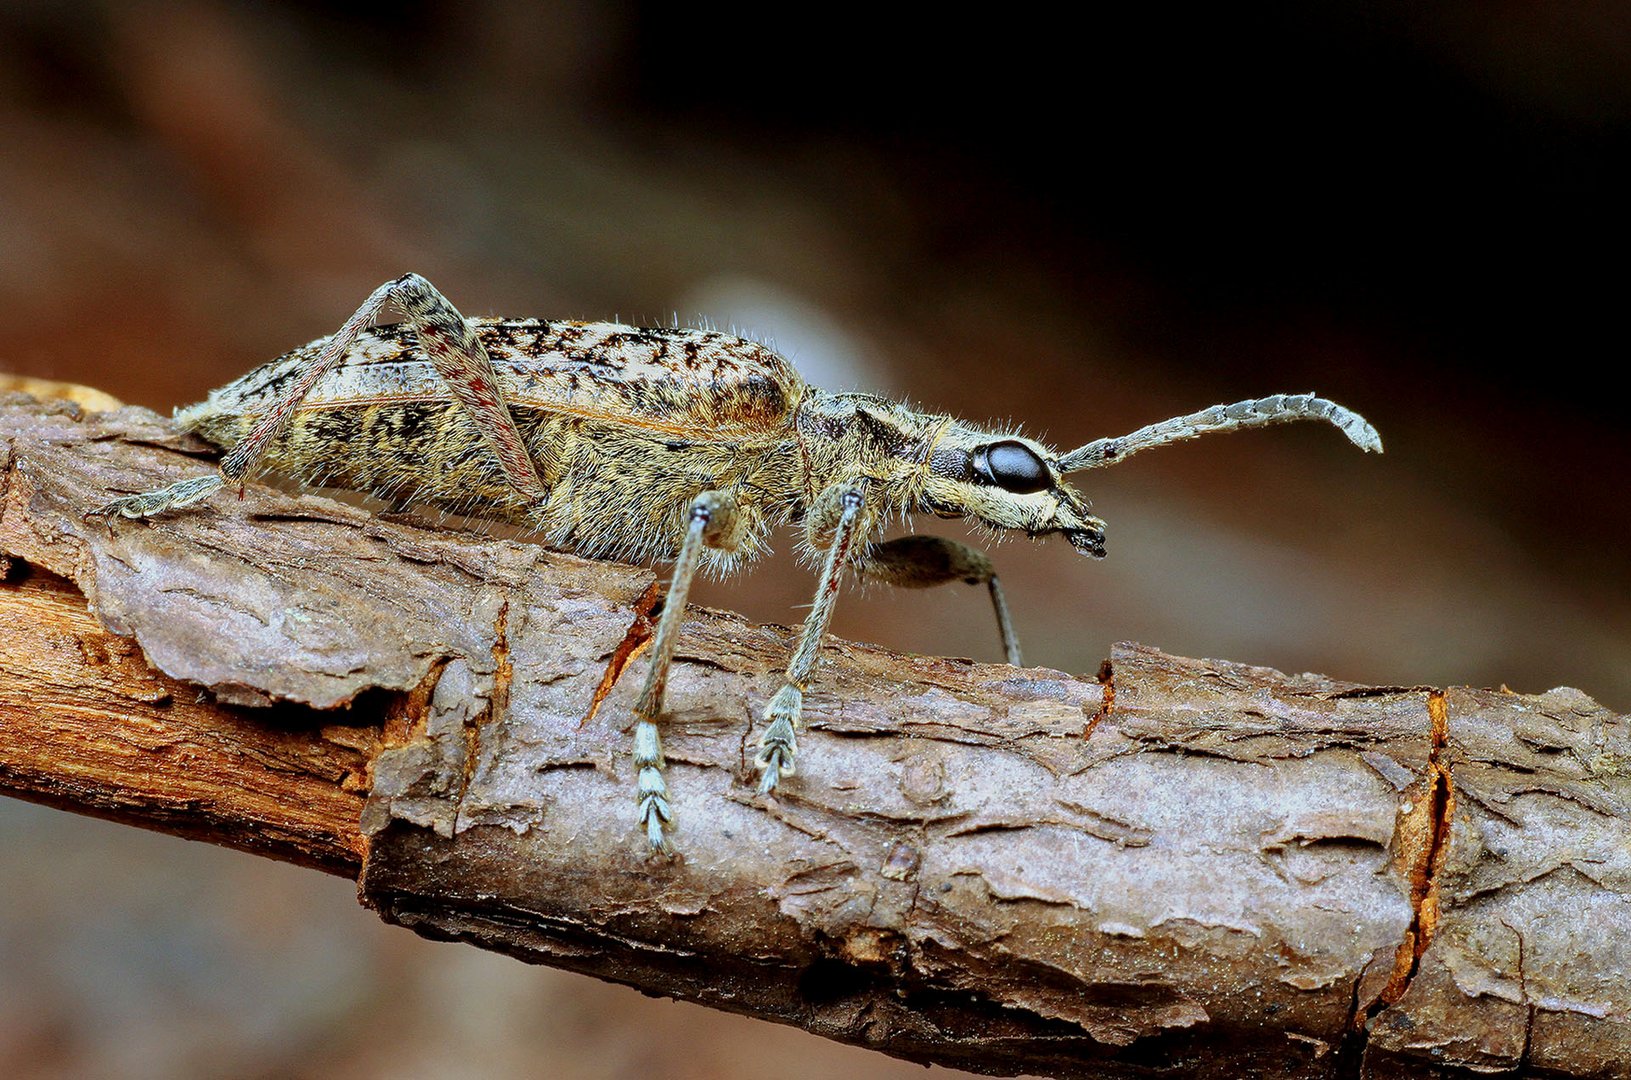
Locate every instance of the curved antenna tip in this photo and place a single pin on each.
(1359, 431)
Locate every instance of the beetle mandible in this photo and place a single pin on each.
(616, 442)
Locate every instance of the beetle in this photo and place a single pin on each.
(662, 444)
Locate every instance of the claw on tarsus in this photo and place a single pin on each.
(654, 813)
(778, 748)
(652, 792)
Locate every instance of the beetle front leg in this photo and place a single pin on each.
(711, 523)
(919, 562)
(842, 506)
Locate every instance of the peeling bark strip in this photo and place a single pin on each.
(1236, 872)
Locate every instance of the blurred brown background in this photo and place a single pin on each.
(1083, 226)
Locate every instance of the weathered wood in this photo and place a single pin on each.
(86, 725)
(1193, 868)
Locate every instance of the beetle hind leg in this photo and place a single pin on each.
(712, 523)
(445, 338)
(148, 503)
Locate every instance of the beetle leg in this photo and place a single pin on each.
(147, 503)
(918, 562)
(449, 343)
(711, 524)
(840, 509)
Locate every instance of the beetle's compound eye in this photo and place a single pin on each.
(1012, 466)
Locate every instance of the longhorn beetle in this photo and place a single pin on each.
(615, 442)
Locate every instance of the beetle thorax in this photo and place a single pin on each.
(843, 435)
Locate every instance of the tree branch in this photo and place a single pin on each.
(1193, 868)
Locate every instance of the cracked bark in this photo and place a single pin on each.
(1178, 867)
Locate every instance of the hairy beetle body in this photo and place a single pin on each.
(625, 424)
(620, 442)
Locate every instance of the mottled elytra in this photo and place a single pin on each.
(673, 444)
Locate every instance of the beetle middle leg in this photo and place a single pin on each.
(919, 562)
(839, 510)
(448, 342)
(712, 523)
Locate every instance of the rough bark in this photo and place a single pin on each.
(1189, 868)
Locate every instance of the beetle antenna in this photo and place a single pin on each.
(1279, 409)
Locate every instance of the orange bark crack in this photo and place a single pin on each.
(498, 704)
(1107, 703)
(1424, 842)
(405, 716)
(635, 642)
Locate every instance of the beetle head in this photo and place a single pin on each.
(1007, 482)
